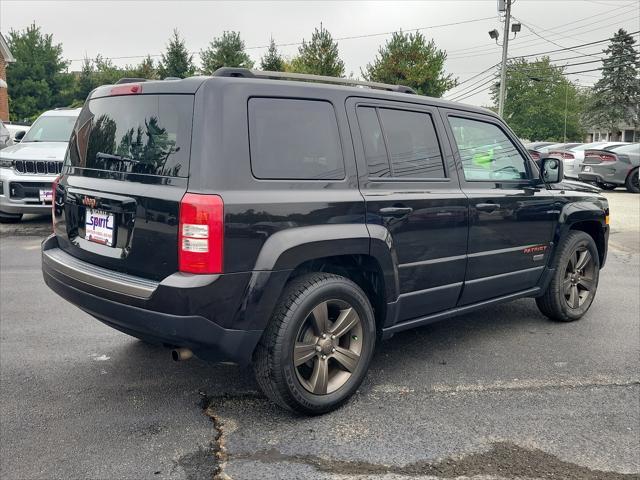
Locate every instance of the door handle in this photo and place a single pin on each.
(487, 207)
(395, 211)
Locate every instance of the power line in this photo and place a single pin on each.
(351, 37)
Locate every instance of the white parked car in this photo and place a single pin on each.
(28, 168)
(573, 157)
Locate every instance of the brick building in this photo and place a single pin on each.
(5, 59)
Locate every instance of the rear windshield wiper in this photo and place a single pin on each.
(115, 158)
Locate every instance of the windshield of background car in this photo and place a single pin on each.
(587, 146)
(51, 129)
(143, 134)
(633, 148)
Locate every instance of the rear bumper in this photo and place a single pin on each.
(613, 173)
(134, 307)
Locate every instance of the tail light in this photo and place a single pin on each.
(201, 234)
(563, 155)
(54, 187)
(604, 157)
(534, 155)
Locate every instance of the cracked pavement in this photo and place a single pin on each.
(501, 393)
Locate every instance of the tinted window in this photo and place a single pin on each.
(145, 134)
(373, 142)
(413, 144)
(50, 129)
(486, 151)
(294, 139)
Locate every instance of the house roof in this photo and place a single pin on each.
(4, 50)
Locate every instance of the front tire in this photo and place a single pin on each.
(633, 182)
(575, 281)
(317, 347)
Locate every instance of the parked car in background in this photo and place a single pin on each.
(536, 145)
(28, 168)
(5, 137)
(16, 131)
(557, 146)
(572, 157)
(612, 167)
(538, 150)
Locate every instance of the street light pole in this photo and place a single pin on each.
(566, 106)
(503, 68)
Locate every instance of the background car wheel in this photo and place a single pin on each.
(317, 347)
(575, 281)
(10, 217)
(633, 183)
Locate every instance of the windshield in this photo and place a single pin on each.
(51, 129)
(632, 148)
(143, 134)
(587, 146)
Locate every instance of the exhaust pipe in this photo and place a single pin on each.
(180, 354)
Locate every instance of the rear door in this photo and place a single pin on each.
(511, 221)
(126, 170)
(410, 186)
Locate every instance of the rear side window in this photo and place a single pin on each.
(144, 134)
(294, 140)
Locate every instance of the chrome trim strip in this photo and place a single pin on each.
(97, 276)
(503, 275)
(433, 261)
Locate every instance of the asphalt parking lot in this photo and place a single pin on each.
(501, 393)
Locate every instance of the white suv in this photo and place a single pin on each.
(28, 168)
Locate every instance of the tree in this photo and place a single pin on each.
(408, 59)
(616, 96)
(320, 56)
(145, 69)
(37, 78)
(225, 51)
(176, 61)
(540, 100)
(272, 60)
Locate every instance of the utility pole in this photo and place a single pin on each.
(566, 107)
(503, 67)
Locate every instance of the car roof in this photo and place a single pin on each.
(192, 84)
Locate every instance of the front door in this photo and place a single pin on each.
(511, 220)
(408, 179)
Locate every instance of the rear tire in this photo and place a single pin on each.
(575, 281)
(10, 217)
(317, 347)
(632, 182)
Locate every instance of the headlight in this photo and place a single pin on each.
(6, 163)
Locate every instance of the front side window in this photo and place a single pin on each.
(294, 139)
(375, 152)
(486, 152)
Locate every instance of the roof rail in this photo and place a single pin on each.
(246, 73)
(130, 80)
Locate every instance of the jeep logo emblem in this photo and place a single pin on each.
(89, 201)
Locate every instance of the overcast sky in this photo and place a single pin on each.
(135, 28)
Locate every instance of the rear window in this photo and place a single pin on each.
(294, 140)
(144, 134)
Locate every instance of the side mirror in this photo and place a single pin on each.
(19, 135)
(551, 170)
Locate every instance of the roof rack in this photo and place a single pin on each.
(247, 73)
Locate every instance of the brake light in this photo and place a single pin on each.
(54, 187)
(126, 89)
(607, 157)
(534, 155)
(201, 234)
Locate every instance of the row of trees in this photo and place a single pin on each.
(39, 79)
(542, 104)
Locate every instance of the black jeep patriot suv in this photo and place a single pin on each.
(247, 217)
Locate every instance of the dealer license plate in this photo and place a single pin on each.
(99, 227)
(46, 196)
